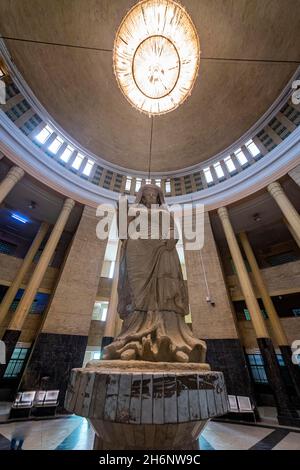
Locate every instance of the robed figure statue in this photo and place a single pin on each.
(152, 295)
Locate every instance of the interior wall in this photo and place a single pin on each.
(215, 321)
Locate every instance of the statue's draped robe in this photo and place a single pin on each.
(152, 303)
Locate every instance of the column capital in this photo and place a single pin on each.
(15, 174)
(10, 180)
(223, 213)
(69, 204)
(275, 188)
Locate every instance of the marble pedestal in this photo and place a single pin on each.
(146, 405)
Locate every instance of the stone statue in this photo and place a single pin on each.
(152, 389)
(153, 298)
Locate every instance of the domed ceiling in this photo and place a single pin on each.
(78, 88)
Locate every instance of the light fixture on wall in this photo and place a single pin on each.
(19, 217)
(156, 56)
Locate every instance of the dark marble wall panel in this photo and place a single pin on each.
(227, 356)
(51, 361)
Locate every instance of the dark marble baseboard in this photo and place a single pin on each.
(227, 356)
(51, 361)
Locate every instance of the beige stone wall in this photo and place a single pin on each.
(96, 333)
(9, 266)
(290, 325)
(208, 321)
(280, 280)
(104, 288)
(72, 304)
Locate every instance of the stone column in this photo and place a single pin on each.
(292, 231)
(213, 319)
(13, 331)
(277, 328)
(61, 342)
(14, 287)
(286, 414)
(287, 208)
(112, 314)
(13, 176)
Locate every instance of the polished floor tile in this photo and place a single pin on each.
(290, 442)
(75, 433)
(40, 435)
(227, 436)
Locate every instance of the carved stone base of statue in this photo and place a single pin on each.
(146, 405)
(156, 336)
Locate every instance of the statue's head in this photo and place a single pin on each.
(150, 194)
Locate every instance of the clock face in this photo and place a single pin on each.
(156, 56)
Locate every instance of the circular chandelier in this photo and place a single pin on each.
(156, 56)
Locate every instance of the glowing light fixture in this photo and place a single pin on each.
(19, 217)
(156, 56)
